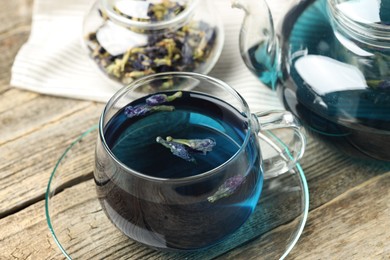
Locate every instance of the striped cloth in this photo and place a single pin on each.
(53, 61)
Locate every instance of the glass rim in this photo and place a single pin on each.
(160, 25)
(137, 83)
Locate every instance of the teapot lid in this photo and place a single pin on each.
(364, 11)
(148, 14)
(367, 21)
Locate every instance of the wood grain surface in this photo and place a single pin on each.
(349, 199)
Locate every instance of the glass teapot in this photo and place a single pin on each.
(329, 61)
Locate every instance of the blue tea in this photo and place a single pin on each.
(164, 138)
(339, 87)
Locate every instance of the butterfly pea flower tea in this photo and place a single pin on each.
(329, 62)
(129, 39)
(186, 177)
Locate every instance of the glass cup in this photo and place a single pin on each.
(163, 192)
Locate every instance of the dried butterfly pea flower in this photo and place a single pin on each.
(182, 50)
(227, 188)
(165, 10)
(200, 145)
(384, 84)
(138, 74)
(379, 84)
(153, 104)
(162, 98)
(177, 149)
(143, 109)
(184, 148)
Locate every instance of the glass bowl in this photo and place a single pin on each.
(82, 231)
(129, 39)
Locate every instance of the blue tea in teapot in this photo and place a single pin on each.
(329, 62)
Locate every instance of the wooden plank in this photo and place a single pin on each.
(14, 98)
(86, 233)
(347, 226)
(330, 172)
(15, 20)
(25, 235)
(10, 43)
(31, 115)
(26, 163)
(352, 226)
(14, 14)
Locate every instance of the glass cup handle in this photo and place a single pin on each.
(280, 151)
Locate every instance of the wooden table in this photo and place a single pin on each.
(349, 199)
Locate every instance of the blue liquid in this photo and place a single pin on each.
(348, 109)
(133, 141)
(179, 216)
(354, 119)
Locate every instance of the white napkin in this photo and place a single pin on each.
(54, 62)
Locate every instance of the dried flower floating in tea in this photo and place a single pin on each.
(227, 188)
(141, 110)
(162, 98)
(200, 145)
(177, 149)
(178, 49)
(185, 148)
(153, 104)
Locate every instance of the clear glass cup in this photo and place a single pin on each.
(187, 205)
(129, 39)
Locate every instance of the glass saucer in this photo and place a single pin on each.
(82, 231)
